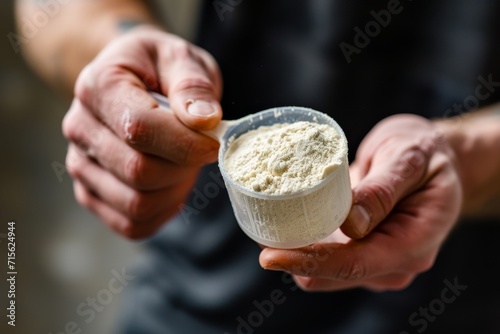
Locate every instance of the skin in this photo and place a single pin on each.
(405, 176)
(148, 156)
(133, 165)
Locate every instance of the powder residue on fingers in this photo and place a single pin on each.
(284, 158)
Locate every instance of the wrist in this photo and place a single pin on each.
(474, 139)
(450, 131)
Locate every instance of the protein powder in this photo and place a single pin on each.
(289, 182)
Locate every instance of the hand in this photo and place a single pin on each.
(406, 199)
(134, 164)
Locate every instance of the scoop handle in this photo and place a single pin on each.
(217, 133)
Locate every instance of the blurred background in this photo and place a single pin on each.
(65, 256)
(57, 242)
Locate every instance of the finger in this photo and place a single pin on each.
(167, 64)
(391, 282)
(138, 205)
(395, 171)
(114, 219)
(120, 100)
(371, 257)
(191, 80)
(138, 170)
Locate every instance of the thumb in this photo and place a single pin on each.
(392, 175)
(194, 91)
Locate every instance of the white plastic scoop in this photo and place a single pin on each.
(300, 222)
(216, 133)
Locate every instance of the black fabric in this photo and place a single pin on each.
(203, 274)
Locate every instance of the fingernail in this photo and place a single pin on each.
(359, 219)
(87, 77)
(200, 108)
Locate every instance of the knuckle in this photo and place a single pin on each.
(74, 130)
(84, 85)
(67, 125)
(208, 61)
(383, 195)
(198, 83)
(82, 90)
(136, 131)
(75, 164)
(70, 125)
(139, 207)
(352, 271)
(132, 230)
(182, 49)
(73, 169)
(135, 169)
(411, 161)
(211, 68)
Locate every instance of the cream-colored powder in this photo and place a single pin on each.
(284, 158)
(283, 166)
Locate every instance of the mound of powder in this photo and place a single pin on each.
(284, 158)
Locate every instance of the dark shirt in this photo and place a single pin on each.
(203, 275)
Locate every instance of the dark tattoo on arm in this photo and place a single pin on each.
(127, 24)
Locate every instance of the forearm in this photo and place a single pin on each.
(73, 35)
(475, 138)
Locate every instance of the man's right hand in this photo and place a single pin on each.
(133, 163)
